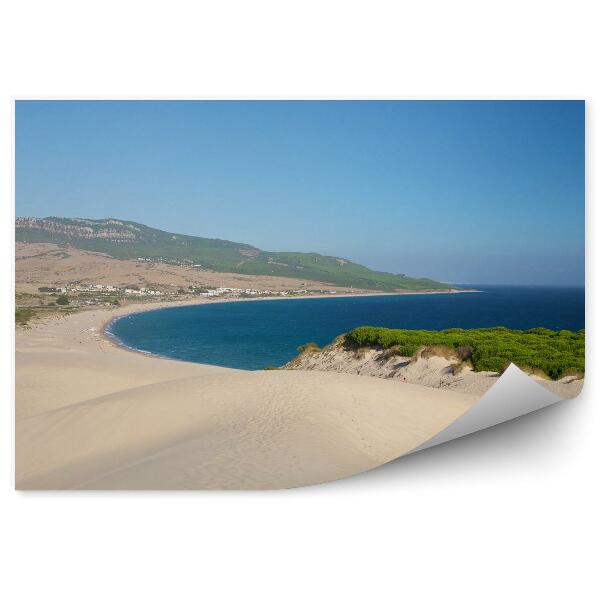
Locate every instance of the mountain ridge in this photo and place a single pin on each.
(128, 239)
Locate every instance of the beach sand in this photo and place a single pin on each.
(93, 415)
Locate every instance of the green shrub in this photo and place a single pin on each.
(62, 300)
(22, 315)
(555, 353)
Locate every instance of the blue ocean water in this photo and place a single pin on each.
(255, 334)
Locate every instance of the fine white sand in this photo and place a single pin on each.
(90, 414)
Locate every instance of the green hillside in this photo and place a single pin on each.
(126, 239)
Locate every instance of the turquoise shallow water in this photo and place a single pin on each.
(255, 334)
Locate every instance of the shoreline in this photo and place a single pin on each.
(478, 383)
(160, 305)
(90, 414)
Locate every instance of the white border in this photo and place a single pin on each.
(509, 512)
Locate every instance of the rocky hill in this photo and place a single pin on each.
(129, 240)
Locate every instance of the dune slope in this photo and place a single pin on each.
(91, 415)
(230, 430)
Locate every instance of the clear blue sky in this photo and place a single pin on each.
(476, 192)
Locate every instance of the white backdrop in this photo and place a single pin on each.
(510, 512)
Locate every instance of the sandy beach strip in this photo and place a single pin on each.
(91, 415)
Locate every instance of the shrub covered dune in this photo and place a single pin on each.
(555, 353)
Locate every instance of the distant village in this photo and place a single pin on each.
(80, 294)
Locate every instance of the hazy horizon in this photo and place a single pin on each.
(465, 192)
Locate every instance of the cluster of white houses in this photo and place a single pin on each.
(111, 289)
(226, 291)
(143, 291)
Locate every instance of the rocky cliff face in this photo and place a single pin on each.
(109, 229)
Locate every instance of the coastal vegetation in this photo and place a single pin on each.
(22, 315)
(130, 240)
(554, 353)
(25, 314)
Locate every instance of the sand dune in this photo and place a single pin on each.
(241, 430)
(93, 415)
(427, 367)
